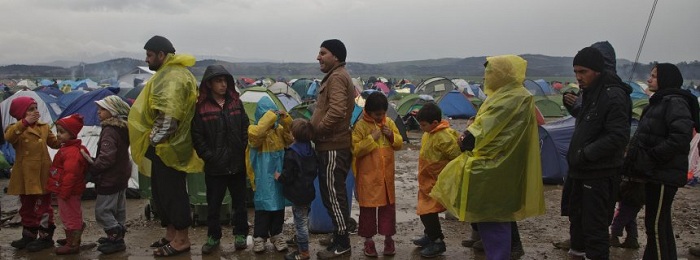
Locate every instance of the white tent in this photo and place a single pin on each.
(43, 108)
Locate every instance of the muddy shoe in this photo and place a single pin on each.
(630, 242)
(615, 241)
(421, 241)
(435, 248)
(279, 242)
(370, 250)
(333, 251)
(468, 242)
(326, 241)
(478, 246)
(516, 252)
(259, 245)
(389, 247)
(694, 251)
(297, 255)
(566, 244)
(239, 242)
(28, 235)
(211, 245)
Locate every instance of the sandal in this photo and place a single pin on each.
(160, 243)
(169, 250)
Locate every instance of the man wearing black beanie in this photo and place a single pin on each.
(596, 154)
(333, 140)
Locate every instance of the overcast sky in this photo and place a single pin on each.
(374, 31)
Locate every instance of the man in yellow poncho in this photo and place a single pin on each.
(499, 177)
(159, 130)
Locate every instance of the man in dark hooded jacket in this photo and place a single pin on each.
(658, 154)
(596, 153)
(220, 136)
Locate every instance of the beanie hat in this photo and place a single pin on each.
(591, 58)
(72, 124)
(668, 76)
(19, 107)
(159, 43)
(336, 47)
(115, 105)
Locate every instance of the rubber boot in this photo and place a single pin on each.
(115, 241)
(44, 240)
(28, 235)
(72, 245)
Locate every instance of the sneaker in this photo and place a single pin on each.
(630, 242)
(259, 245)
(333, 251)
(478, 246)
(566, 244)
(211, 245)
(240, 242)
(279, 242)
(297, 255)
(370, 250)
(389, 247)
(435, 248)
(421, 241)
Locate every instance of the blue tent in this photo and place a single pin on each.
(456, 105)
(85, 105)
(68, 98)
(554, 145)
(50, 90)
(637, 91)
(548, 90)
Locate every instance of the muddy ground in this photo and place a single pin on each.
(537, 233)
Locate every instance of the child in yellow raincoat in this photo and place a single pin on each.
(267, 139)
(438, 147)
(375, 137)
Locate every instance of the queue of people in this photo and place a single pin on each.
(176, 127)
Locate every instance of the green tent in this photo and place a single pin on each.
(638, 106)
(252, 95)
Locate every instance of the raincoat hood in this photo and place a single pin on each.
(265, 104)
(503, 72)
(608, 52)
(211, 72)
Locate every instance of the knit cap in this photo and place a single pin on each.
(159, 43)
(591, 58)
(336, 47)
(19, 107)
(72, 123)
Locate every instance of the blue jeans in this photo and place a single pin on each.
(301, 223)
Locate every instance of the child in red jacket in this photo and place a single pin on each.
(67, 181)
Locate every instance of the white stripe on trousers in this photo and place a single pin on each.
(656, 222)
(332, 195)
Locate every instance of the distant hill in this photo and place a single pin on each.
(539, 66)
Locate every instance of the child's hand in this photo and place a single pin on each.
(32, 118)
(87, 157)
(277, 175)
(376, 133)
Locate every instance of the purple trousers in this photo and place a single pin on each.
(496, 238)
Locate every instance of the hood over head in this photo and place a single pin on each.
(211, 72)
(609, 58)
(504, 70)
(265, 104)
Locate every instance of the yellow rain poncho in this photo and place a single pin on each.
(437, 149)
(500, 180)
(374, 162)
(172, 91)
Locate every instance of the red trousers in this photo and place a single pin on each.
(70, 212)
(373, 219)
(36, 210)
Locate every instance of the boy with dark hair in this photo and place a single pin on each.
(438, 147)
(297, 178)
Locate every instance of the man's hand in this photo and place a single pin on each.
(570, 98)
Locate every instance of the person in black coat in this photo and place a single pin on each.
(596, 153)
(220, 136)
(658, 154)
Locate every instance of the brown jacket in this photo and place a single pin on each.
(32, 161)
(334, 106)
(112, 167)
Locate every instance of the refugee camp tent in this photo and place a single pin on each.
(136, 76)
(547, 107)
(464, 86)
(286, 94)
(50, 90)
(455, 104)
(301, 86)
(637, 91)
(548, 89)
(86, 107)
(390, 113)
(303, 110)
(436, 86)
(252, 95)
(412, 102)
(26, 83)
(554, 145)
(66, 99)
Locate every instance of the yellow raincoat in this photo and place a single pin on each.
(172, 91)
(374, 162)
(437, 149)
(500, 180)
